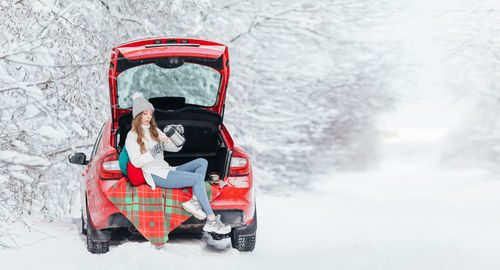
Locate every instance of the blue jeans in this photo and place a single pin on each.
(191, 174)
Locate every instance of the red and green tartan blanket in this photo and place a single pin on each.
(157, 212)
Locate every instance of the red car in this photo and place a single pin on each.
(186, 81)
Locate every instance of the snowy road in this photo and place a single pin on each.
(404, 215)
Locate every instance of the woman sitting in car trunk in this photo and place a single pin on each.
(145, 144)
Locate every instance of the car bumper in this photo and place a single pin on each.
(233, 217)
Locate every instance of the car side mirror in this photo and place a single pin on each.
(78, 158)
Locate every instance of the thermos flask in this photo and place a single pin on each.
(174, 134)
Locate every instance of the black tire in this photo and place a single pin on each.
(244, 242)
(95, 246)
(84, 229)
(244, 238)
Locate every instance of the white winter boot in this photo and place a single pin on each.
(194, 207)
(216, 226)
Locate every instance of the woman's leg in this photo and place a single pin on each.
(198, 166)
(180, 179)
(201, 194)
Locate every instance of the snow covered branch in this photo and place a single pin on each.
(304, 91)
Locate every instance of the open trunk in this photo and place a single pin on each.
(201, 129)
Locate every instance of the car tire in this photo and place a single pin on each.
(244, 238)
(84, 229)
(243, 242)
(95, 246)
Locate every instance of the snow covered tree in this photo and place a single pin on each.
(307, 82)
(472, 35)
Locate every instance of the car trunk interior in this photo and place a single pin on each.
(201, 130)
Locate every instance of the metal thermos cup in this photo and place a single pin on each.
(175, 136)
(213, 177)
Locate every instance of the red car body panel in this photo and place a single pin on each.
(237, 194)
(135, 53)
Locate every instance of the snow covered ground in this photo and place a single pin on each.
(409, 212)
(405, 214)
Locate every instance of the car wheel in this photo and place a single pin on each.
(95, 246)
(244, 238)
(84, 228)
(244, 242)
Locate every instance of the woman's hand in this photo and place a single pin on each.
(165, 140)
(157, 148)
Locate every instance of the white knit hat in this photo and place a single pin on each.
(140, 104)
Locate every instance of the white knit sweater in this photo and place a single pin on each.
(148, 163)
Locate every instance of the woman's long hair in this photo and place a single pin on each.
(136, 126)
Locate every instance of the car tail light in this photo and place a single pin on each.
(240, 164)
(109, 168)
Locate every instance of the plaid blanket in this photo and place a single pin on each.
(157, 212)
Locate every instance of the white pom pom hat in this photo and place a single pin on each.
(140, 104)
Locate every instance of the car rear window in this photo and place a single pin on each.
(198, 84)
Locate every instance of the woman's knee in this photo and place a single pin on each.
(202, 161)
